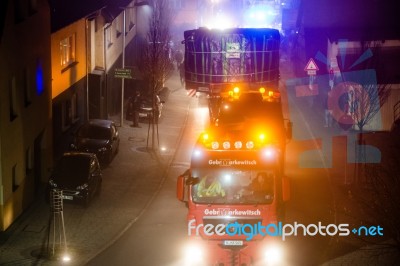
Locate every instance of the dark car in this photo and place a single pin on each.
(78, 175)
(100, 137)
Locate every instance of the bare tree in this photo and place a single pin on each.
(366, 95)
(369, 97)
(157, 62)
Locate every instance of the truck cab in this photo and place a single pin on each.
(233, 189)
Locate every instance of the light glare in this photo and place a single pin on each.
(274, 255)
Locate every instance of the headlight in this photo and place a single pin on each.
(273, 255)
(82, 187)
(193, 254)
(269, 152)
(197, 153)
(103, 149)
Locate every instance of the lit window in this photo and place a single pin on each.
(67, 51)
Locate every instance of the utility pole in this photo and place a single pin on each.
(123, 66)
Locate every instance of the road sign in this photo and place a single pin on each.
(123, 73)
(311, 67)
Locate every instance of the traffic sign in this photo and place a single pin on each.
(311, 67)
(124, 73)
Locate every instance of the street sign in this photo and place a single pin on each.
(312, 72)
(311, 67)
(123, 73)
(232, 50)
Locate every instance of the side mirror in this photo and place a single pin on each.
(285, 189)
(180, 188)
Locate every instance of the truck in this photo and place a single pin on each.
(246, 192)
(218, 61)
(238, 70)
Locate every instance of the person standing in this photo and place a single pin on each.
(328, 110)
(135, 108)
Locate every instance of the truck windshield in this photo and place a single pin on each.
(233, 186)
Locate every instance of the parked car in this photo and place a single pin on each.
(78, 175)
(164, 94)
(100, 137)
(146, 108)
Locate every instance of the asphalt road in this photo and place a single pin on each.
(158, 236)
(138, 221)
(316, 165)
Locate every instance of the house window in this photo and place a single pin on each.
(28, 161)
(32, 7)
(20, 11)
(74, 108)
(39, 77)
(130, 17)
(15, 184)
(27, 87)
(118, 26)
(69, 112)
(13, 99)
(108, 37)
(176, 4)
(67, 51)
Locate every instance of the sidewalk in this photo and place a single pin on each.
(130, 183)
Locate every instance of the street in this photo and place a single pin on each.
(137, 219)
(158, 236)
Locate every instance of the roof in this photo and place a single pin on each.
(64, 12)
(100, 122)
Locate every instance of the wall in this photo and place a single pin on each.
(25, 138)
(64, 78)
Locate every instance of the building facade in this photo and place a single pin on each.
(25, 105)
(85, 53)
(57, 70)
